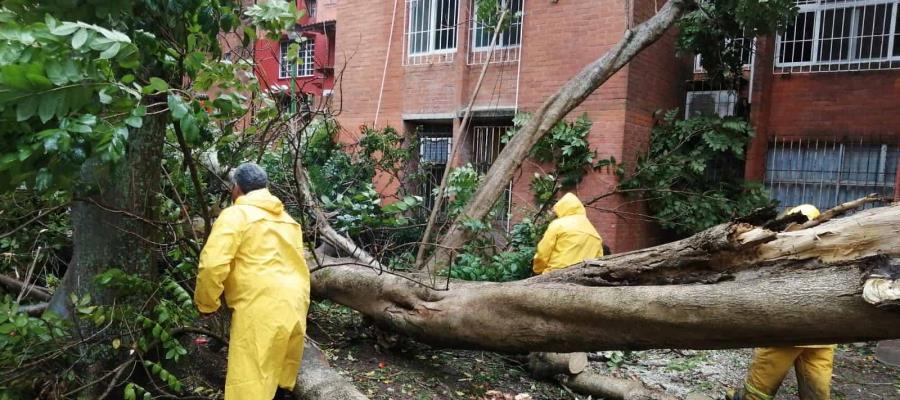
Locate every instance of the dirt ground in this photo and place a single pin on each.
(414, 371)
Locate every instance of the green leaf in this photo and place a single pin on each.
(158, 85)
(127, 79)
(79, 38)
(177, 107)
(129, 392)
(48, 106)
(26, 108)
(111, 51)
(134, 122)
(190, 129)
(56, 73)
(105, 98)
(66, 29)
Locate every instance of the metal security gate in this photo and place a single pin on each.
(827, 172)
(485, 149)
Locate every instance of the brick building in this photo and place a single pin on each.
(314, 35)
(822, 95)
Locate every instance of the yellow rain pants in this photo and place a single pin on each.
(813, 365)
(570, 238)
(254, 255)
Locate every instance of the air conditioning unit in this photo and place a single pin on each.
(710, 103)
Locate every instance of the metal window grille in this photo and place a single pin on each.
(312, 8)
(430, 31)
(434, 152)
(840, 35)
(710, 103)
(509, 41)
(289, 68)
(745, 47)
(826, 173)
(485, 149)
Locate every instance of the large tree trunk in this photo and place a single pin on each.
(732, 286)
(569, 96)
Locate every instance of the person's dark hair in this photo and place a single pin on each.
(249, 177)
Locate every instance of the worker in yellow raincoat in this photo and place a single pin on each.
(254, 255)
(813, 364)
(570, 238)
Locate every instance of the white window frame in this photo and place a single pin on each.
(819, 7)
(290, 69)
(478, 26)
(432, 29)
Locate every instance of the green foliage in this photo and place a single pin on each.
(685, 175)
(477, 263)
(60, 100)
(274, 16)
(709, 28)
(461, 185)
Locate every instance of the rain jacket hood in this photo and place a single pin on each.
(570, 238)
(262, 199)
(569, 205)
(254, 256)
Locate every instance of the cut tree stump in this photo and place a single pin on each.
(548, 365)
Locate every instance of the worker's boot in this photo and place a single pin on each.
(734, 394)
(283, 394)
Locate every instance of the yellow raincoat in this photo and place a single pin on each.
(255, 255)
(570, 238)
(813, 364)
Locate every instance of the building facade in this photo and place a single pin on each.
(312, 72)
(823, 96)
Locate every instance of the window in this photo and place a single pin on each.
(740, 47)
(826, 173)
(482, 35)
(431, 26)
(840, 35)
(434, 153)
(710, 103)
(289, 68)
(486, 147)
(311, 8)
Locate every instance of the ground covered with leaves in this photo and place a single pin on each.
(387, 367)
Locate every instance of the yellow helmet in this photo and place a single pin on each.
(809, 210)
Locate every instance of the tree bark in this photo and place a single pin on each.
(569, 96)
(113, 217)
(318, 381)
(608, 387)
(789, 288)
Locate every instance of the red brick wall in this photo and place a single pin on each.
(559, 40)
(827, 104)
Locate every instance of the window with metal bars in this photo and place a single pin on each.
(840, 35)
(826, 173)
(486, 146)
(434, 152)
(744, 48)
(307, 57)
(431, 26)
(511, 37)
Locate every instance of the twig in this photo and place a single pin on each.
(195, 178)
(39, 216)
(837, 211)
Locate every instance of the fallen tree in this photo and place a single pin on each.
(731, 286)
